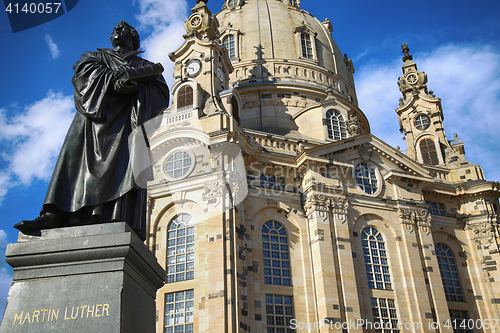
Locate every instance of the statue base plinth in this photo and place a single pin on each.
(95, 278)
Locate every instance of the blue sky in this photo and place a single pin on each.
(457, 43)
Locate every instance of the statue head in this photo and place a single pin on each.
(127, 31)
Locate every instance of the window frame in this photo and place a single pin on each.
(419, 139)
(174, 151)
(306, 45)
(231, 55)
(236, 33)
(436, 208)
(445, 279)
(429, 152)
(419, 122)
(458, 317)
(276, 254)
(378, 175)
(304, 29)
(332, 115)
(171, 302)
(188, 233)
(272, 182)
(388, 304)
(181, 93)
(376, 267)
(276, 308)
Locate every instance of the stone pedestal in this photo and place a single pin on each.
(96, 278)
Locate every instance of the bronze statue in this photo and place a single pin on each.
(116, 92)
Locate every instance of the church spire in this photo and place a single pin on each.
(420, 114)
(406, 51)
(413, 82)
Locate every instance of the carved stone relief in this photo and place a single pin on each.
(420, 218)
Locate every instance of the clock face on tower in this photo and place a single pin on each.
(193, 67)
(220, 75)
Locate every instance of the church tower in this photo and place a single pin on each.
(421, 117)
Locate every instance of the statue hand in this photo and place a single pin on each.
(125, 87)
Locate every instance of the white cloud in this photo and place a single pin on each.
(5, 184)
(3, 239)
(465, 77)
(165, 19)
(54, 50)
(33, 139)
(378, 96)
(5, 282)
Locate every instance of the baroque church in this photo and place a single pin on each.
(274, 209)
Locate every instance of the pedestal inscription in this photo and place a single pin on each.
(97, 278)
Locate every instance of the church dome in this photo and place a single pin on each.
(282, 56)
(275, 31)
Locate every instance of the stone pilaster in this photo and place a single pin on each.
(351, 306)
(482, 233)
(317, 208)
(422, 219)
(149, 232)
(418, 308)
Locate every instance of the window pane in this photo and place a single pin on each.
(279, 311)
(182, 304)
(180, 250)
(449, 274)
(375, 260)
(279, 253)
(336, 125)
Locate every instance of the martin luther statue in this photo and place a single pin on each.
(116, 92)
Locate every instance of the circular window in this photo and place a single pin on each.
(179, 164)
(366, 178)
(422, 121)
(412, 78)
(232, 3)
(196, 21)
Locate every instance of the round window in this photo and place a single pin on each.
(179, 164)
(422, 121)
(366, 178)
(412, 78)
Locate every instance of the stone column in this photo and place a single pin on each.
(94, 278)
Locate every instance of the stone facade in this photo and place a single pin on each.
(269, 188)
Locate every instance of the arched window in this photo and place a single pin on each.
(307, 50)
(185, 97)
(429, 153)
(276, 255)
(449, 274)
(180, 251)
(294, 3)
(230, 47)
(376, 263)
(335, 124)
